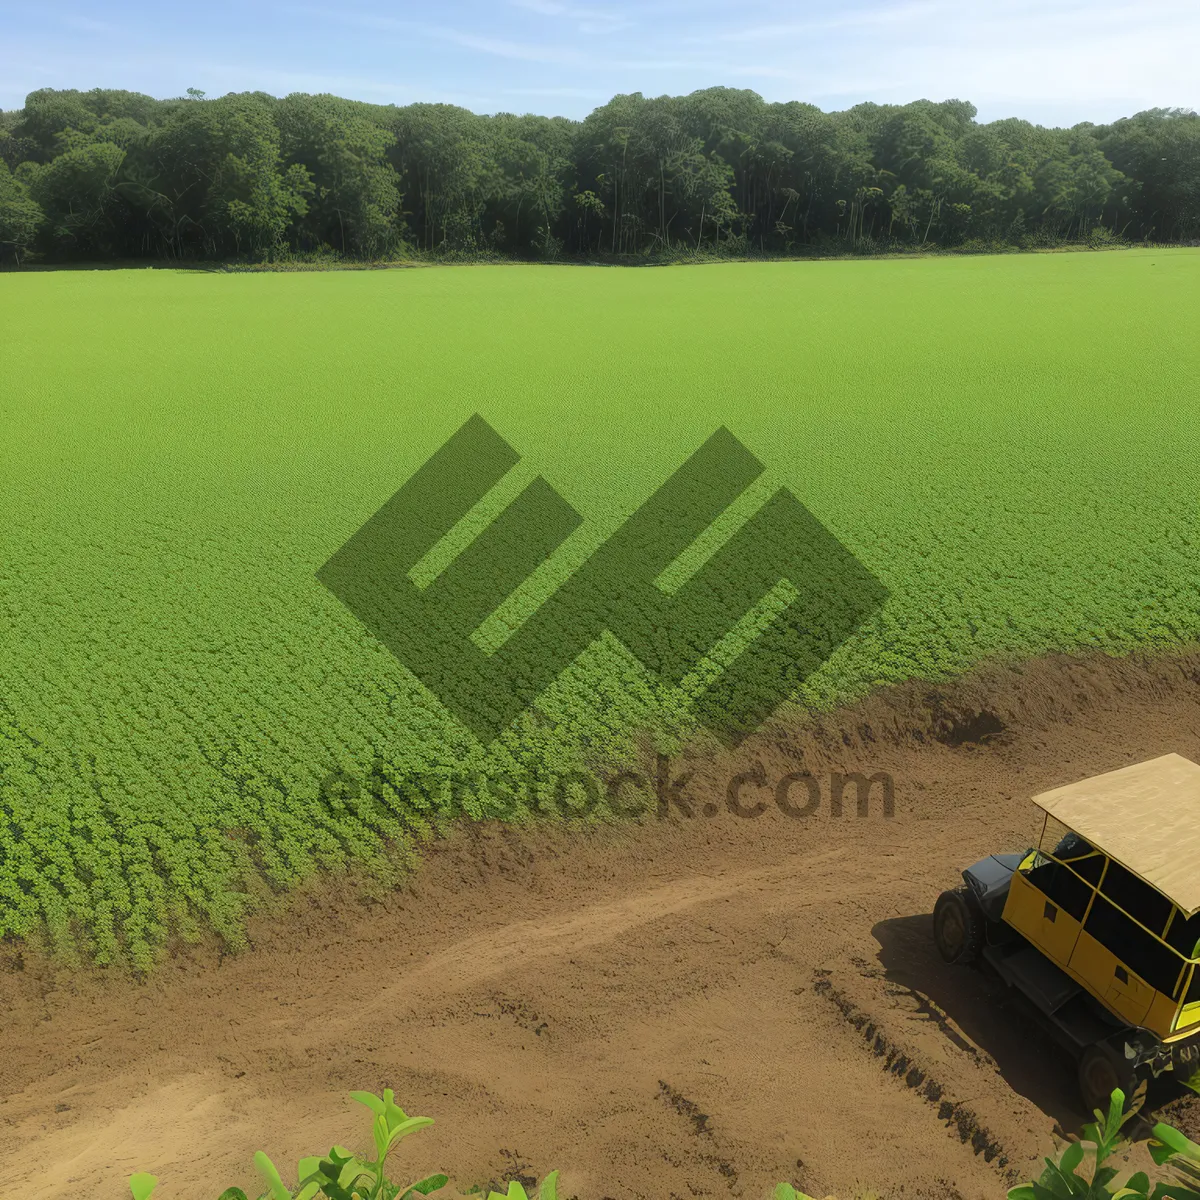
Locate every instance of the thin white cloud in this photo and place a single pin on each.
(85, 24)
(575, 93)
(364, 20)
(1058, 61)
(499, 47)
(519, 51)
(586, 18)
(506, 48)
(1022, 53)
(1043, 50)
(867, 19)
(573, 11)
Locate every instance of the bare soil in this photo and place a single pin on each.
(680, 1007)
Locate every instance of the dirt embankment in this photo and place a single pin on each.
(676, 1008)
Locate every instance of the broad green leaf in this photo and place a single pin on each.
(515, 1192)
(309, 1176)
(1116, 1105)
(1174, 1141)
(270, 1173)
(1137, 1184)
(407, 1126)
(1056, 1183)
(549, 1188)
(423, 1187)
(373, 1102)
(1076, 1184)
(1175, 1191)
(1072, 1157)
(1192, 1081)
(342, 1169)
(141, 1185)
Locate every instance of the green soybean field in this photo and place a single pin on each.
(191, 722)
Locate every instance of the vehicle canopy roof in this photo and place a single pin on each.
(1146, 817)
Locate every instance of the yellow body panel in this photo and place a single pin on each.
(1064, 940)
(1101, 971)
(1026, 909)
(1161, 1014)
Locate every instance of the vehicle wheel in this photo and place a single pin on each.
(1103, 1067)
(957, 926)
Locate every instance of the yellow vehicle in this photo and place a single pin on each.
(1099, 925)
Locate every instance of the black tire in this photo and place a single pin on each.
(1103, 1067)
(957, 926)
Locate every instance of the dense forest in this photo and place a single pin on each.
(100, 175)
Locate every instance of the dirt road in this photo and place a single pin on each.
(679, 1008)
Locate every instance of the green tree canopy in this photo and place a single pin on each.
(111, 174)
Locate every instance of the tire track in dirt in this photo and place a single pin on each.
(521, 945)
(896, 1061)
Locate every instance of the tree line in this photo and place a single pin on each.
(108, 174)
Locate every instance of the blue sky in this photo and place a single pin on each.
(1051, 61)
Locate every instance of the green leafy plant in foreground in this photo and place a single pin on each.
(341, 1175)
(1168, 1147)
(1078, 1174)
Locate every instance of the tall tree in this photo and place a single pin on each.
(355, 200)
(21, 218)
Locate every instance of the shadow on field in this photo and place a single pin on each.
(998, 1021)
